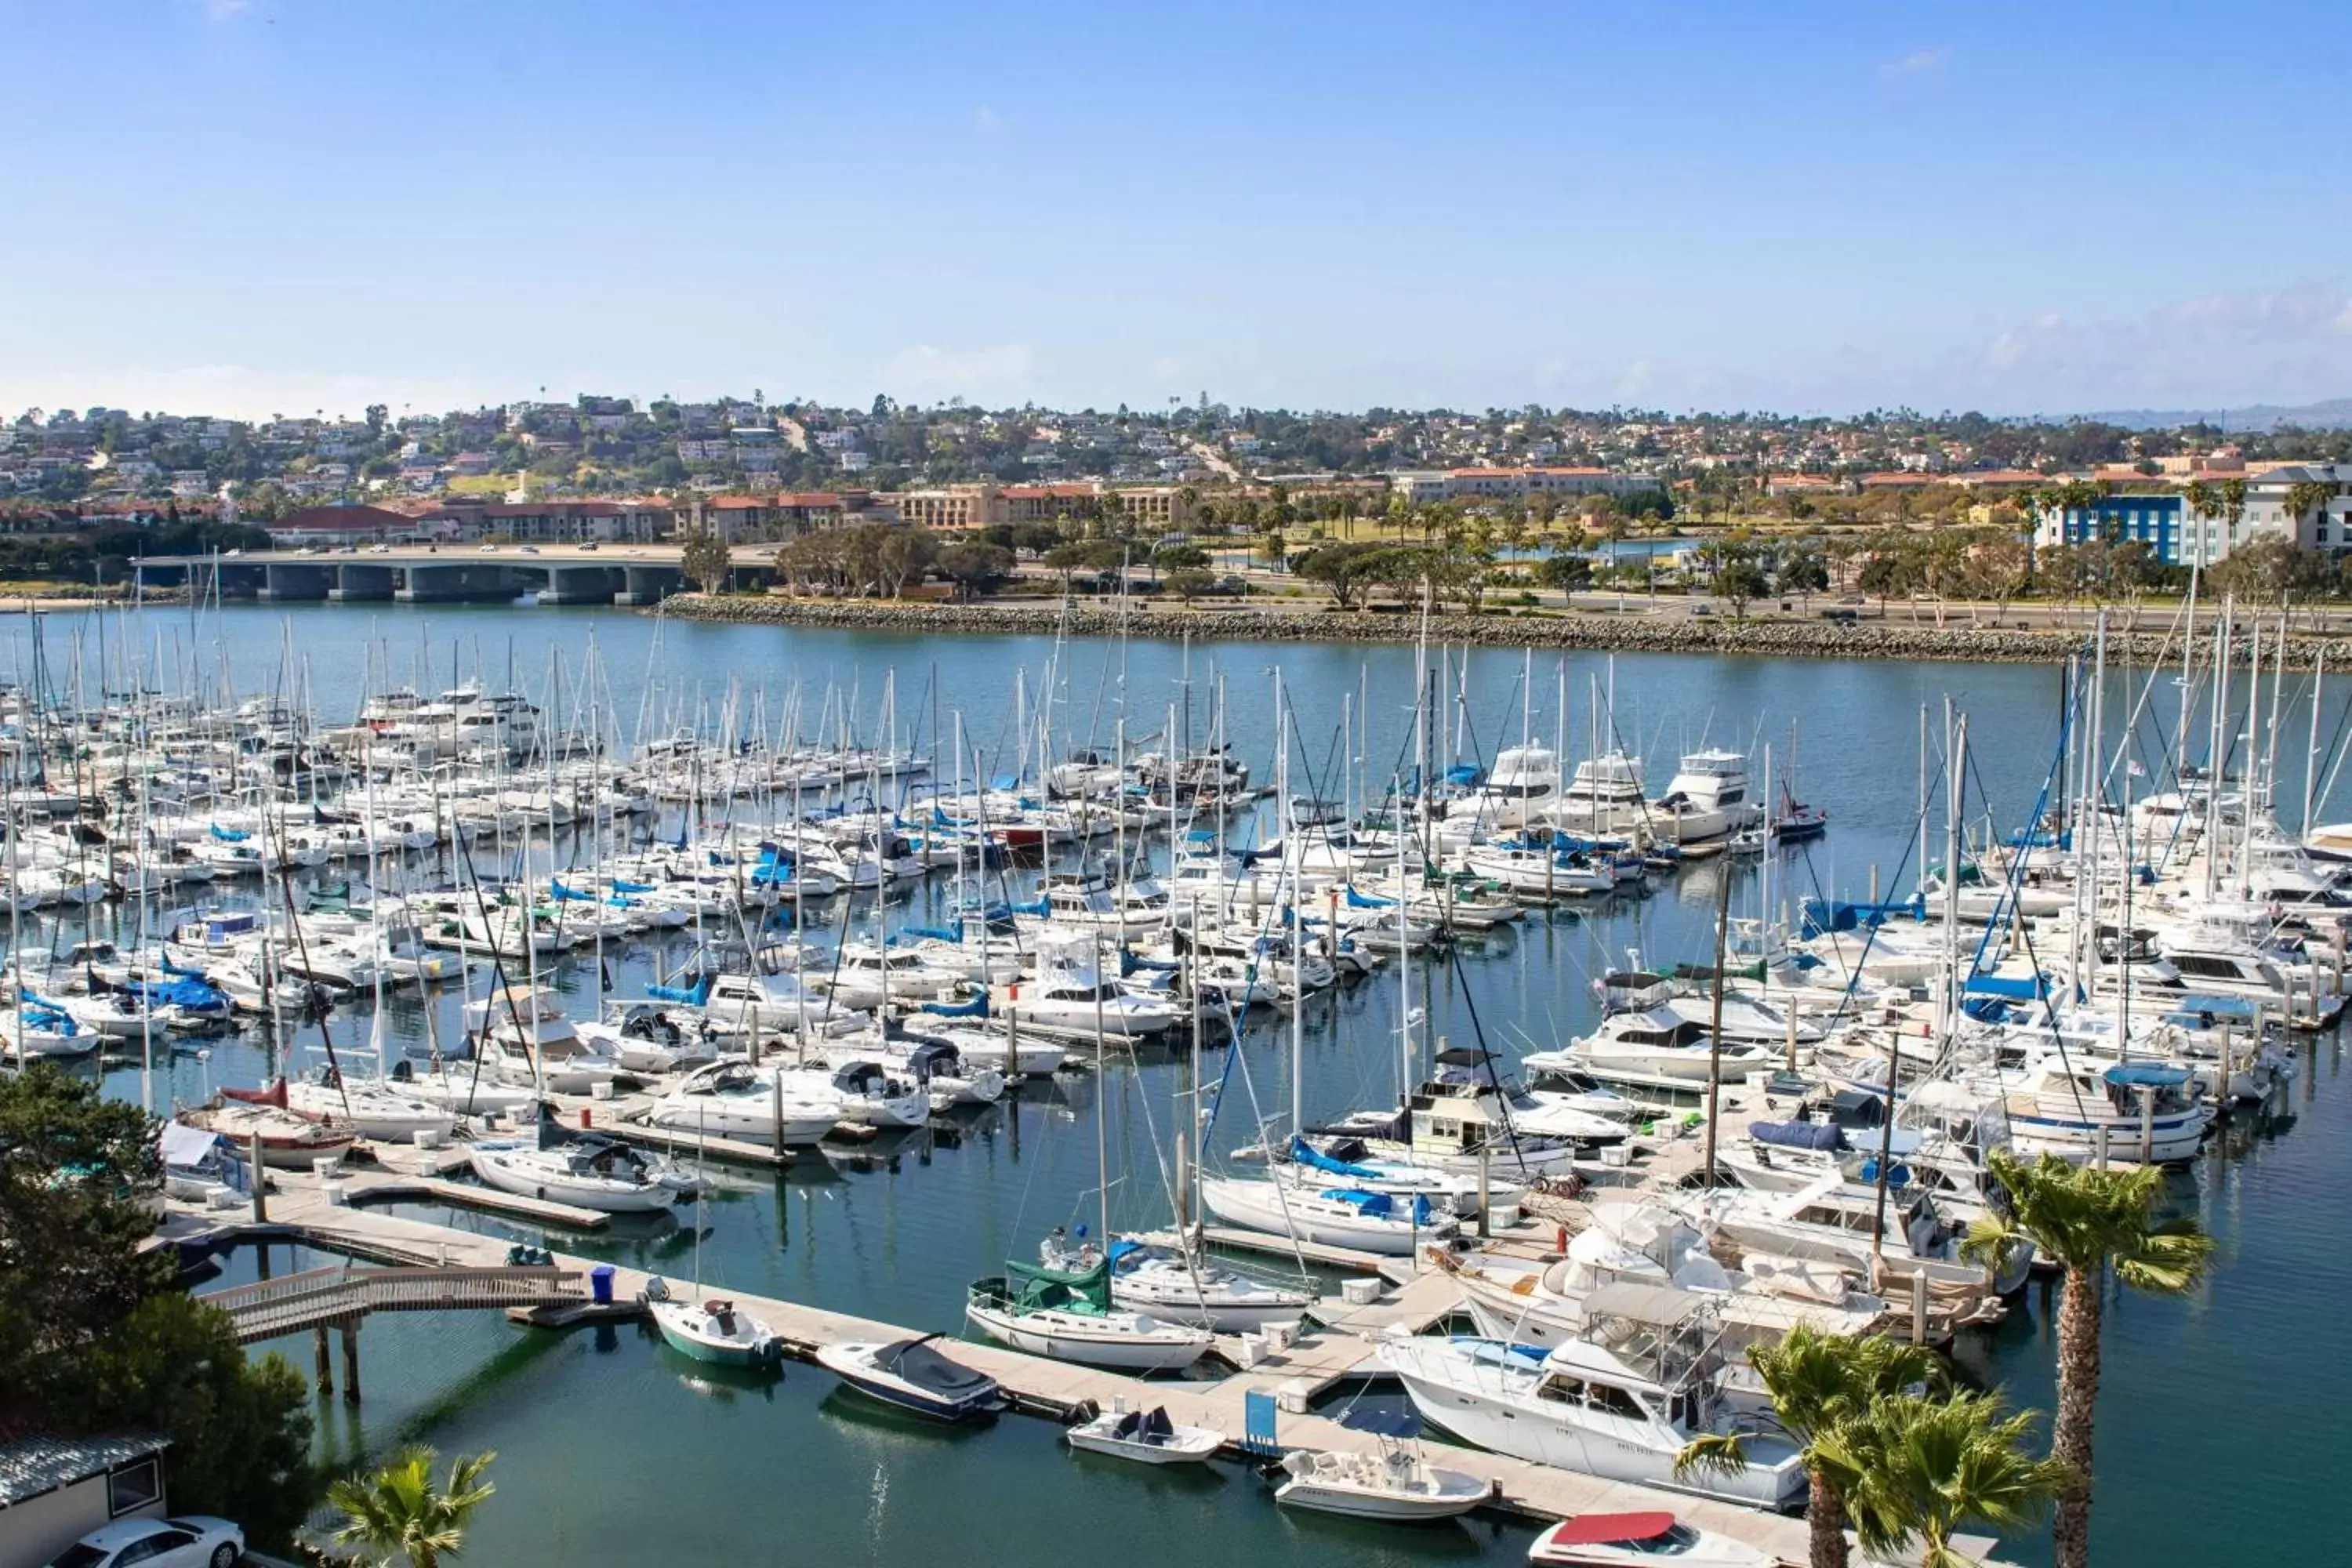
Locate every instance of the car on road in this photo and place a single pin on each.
(590, 544)
(1853, 599)
(191, 1541)
(530, 549)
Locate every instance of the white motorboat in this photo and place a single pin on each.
(650, 1037)
(1072, 993)
(2127, 1111)
(1328, 1217)
(1660, 1044)
(1068, 1315)
(731, 1099)
(1620, 1402)
(1148, 1438)
(1707, 798)
(911, 1375)
(1394, 1483)
(1524, 785)
(1626, 1540)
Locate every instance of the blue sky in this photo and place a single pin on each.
(283, 204)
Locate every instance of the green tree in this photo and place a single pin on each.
(240, 1428)
(400, 1513)
(1739, 577)
(974, 567)
(95, 1336)
(706, 560)
(1565, 570)
(1178, 557)
(1920, 1470)
(1820, 1385)
(1065, 560)
(2091, 1223)
(76, 1169)
(1189, 583)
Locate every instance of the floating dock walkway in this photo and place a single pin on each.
(304, 1207)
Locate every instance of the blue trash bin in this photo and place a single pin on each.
(600, 1284)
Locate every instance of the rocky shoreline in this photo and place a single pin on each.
(1770, 637)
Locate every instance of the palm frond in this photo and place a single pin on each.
(1718, 1453)
(2169, 1259)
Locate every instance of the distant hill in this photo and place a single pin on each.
(2335, 413)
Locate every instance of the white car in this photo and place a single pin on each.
(191, 1541)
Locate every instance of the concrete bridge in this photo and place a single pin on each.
(432, 574)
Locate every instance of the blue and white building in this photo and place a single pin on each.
(2179, 534)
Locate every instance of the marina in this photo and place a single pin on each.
(918, 1158)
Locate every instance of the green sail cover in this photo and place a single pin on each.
(1041, 1288)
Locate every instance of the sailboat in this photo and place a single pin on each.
(710, 1330)
(713, 1331)
(1061, 1310)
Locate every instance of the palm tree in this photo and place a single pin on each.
(2304, 498)
(1919, 1470)
(399, 1513)
(1820, 1384)
(2087, 1221)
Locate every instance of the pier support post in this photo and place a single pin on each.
(1485, 1189)
(323, 1361)
(261, 1183)
(350, 1363)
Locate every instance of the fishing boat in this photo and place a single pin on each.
(712, 1330)
(1622, 1540)
(911, 1375)
(1621, 1402)
(1394, 1482)
(1068, 1314)
(1148, 1438)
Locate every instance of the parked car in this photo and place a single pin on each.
(192, 1540)
(590, 544)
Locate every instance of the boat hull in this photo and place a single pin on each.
(1055, 1337)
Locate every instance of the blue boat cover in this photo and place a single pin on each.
(975, 1008)
(1818, 1136)
(193, 994)
(693, 996)
(1314, 1159)
(2151, 1075)
(2016, 988)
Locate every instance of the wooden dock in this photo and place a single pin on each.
(1320, 1359)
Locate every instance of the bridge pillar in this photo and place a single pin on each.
(361, 583)
(453, 582)
(322, 1361)
(351, 1363)
(650, 584)
(579, 585)
(287, 582)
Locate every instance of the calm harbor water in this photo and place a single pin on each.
(612, 1450)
